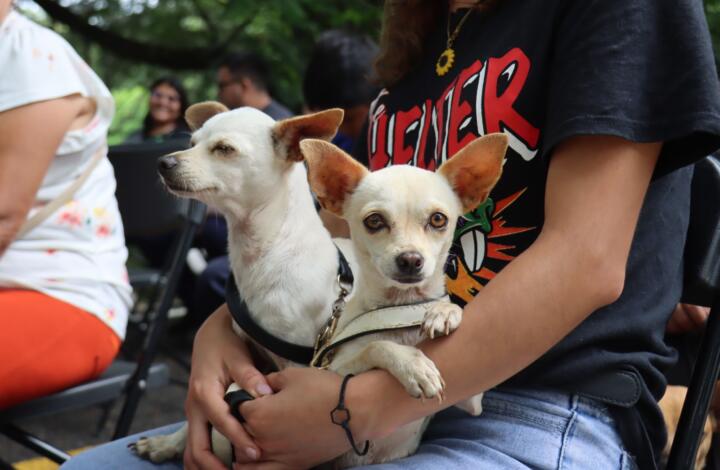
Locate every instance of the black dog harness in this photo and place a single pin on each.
(290, 351)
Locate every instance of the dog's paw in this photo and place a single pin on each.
(420, 377)
(158, 448)
(441, 319)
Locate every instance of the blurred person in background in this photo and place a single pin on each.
(347, 84)
(165, 118)
(243, 79)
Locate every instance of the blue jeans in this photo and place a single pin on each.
(518, 429)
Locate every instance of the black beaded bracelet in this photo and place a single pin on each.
(341, 416)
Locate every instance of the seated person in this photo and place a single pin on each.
(165, 118)
(64, 293)
(567, 281)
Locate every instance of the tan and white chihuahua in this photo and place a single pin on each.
(401, 220)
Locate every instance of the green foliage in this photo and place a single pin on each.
(282, 31)
(131, 105)
(712, 11)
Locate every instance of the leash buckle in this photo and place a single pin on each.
(328, 330)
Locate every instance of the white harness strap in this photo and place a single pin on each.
(377, 321)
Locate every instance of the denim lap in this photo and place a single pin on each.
(116, 455)
(526, 429)
(520, 430)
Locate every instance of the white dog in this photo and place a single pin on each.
(402, 220)
(284, 262)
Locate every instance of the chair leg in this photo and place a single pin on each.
(34, 443)
(697, 402)
(132, 400)
(136, 384)
(102, 421)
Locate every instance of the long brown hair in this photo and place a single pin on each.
(406, 24)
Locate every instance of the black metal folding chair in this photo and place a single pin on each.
(147, 209)
(701, 287)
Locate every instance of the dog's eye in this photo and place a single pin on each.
(223, 148)
(374, 222)
(438, 220)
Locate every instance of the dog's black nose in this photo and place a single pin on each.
(410, 262)
(168, 162)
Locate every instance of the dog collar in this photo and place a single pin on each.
(241, 314)
(383, 319)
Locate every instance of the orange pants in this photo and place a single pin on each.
(47, 345)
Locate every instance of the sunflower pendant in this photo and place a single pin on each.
(445, 62)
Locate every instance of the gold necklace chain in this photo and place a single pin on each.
(447, 58)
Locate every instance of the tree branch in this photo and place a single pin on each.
(170, 57)
(202, 13)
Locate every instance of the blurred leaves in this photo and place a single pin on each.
(131, 104)
(282, 31)
(712, 11)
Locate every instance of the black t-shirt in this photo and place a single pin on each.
(542, 71)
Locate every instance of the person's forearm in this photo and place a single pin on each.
(517, 317)
(595, 189)
(9, 226)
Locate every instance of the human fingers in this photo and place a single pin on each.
(696, 314)
(679, 321)
(211, 404)
(198, 450)
(278, 380)
(249, 379)
(248, 457)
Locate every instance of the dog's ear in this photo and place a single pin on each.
(197, 114)
(288, 133)
(474, 170)
(333, 174)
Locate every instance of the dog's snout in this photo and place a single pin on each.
(410, 262)
(168, 162)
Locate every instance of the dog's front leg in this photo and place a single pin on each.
(415, 371)
(441, 319)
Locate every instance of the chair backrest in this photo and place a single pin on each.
(147, 208)
(702, 249)
(701, 287)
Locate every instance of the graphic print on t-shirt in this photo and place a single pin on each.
(481, 100)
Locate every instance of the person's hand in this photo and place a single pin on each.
(293, 426)
(687, 317)
(219, 358)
